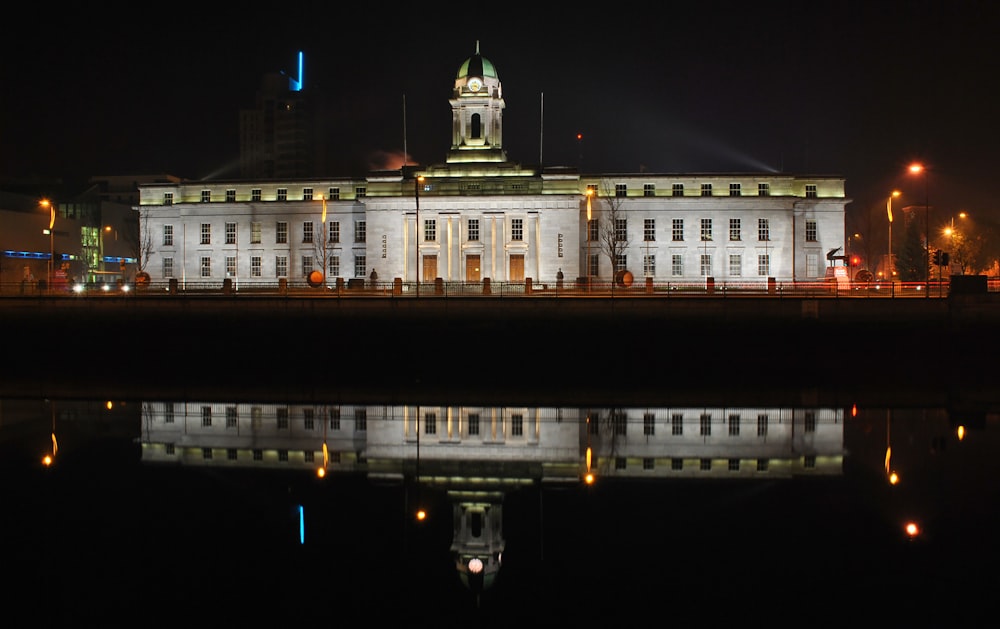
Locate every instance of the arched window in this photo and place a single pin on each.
(477, 127)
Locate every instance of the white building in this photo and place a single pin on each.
(483, 217)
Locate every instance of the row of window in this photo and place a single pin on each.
(280, 269)
(472, 231)
(705, 465)
(618, 421)
(677, 264)
(360, 192)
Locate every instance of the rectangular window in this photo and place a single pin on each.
(621, 262)
(206, 266)
(282, 194)
(734, 465)
(517, 425)
(168, 412)
(168, 198)
(255, 233)
(168, 235)
(334, 419)
(735, 190)
(677, 190)
(360, 266)
(230, 196)
(762, 425)
(676, 464)
(677, 424)
(206, 233)
(334, 194)
(281, 415)
(706, 189)
(307, 265)
(649, 190)
(361, 419)
(649, 229)
(255, 266)
(735, 229)
(308, 418)
(255, 194)
(232, 417)
(206, 196)
(810, 421)
(734, 425)
(473, 423)
(763, 189)
(230, 233)
(430, 423)
(706, 229)
(735, 264)
(206, 416)
(621, 190)
(517, 229)
(762, 464)
(676, 265)
(812, 264)
(705, 425)
(206, 453)
(592, 230)
(473, 229)
(621, 229)
(307, 232)
(334, 231)
(334, 266)
(811, 190)
(649, 424)
(764, 265)
(763, 229)
(811, 231)
(281, 233)
(649, 265)
(430, 230)
(281, 266)
(360, 231)
(360, 192)
(648, 463)
(594, 264)
(706, 264)
(809, 461)
(677, 230)
(168, 267)
(230, 266)
(307, 194)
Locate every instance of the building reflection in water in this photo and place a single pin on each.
(477, 455)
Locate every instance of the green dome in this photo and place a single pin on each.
(477, 65)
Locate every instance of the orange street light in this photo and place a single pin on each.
(51, 207)
(895, 193)
(918, 169)
(590, 194)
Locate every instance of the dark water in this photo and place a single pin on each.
(133, 524)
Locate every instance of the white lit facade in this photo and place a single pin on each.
(483, 217)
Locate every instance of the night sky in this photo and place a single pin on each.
(858, 89)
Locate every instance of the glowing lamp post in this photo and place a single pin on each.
(49, 205)
(590, 194)
(920, 169)
(895, 193)
(417, 181)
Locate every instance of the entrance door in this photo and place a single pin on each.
(472, 268)
(430, 268)
(517, 268)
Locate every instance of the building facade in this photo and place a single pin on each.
(479, 216)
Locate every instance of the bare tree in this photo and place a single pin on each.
(612, 231)
(140, 239)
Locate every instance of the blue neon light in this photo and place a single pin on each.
(295, 84)
(302, 525)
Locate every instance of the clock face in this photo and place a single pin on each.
(475, 85)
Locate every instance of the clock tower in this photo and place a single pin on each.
(477, 113)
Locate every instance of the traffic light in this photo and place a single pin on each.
(945, 258)
(855, 260)
(937, 258)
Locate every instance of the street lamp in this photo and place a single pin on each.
(417, 181)
(107, 229)
(590, 194)
(45, 203)
(895, 193)
(920, 169)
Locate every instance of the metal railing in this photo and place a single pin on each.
(360, 288)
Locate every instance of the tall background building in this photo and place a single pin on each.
(282, 135)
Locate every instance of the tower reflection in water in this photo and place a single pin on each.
(476, 456)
